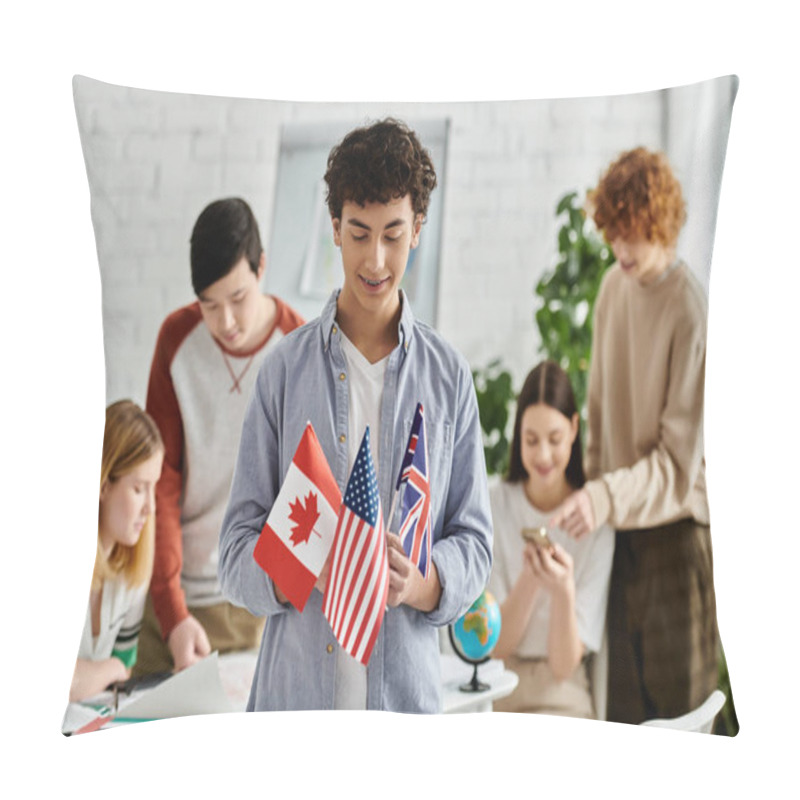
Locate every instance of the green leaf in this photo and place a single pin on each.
(566, 202)
(495, 394)
(567, 293)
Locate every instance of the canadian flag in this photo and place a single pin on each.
(299, 531)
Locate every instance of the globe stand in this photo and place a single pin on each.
(474, 685)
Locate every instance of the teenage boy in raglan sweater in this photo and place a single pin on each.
(206, 359)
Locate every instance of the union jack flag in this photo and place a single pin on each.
(415, 519)
(413, 439)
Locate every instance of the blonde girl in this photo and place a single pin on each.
(131, 465)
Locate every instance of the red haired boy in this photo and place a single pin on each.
(645, 456)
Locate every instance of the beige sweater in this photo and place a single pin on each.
(646, 383)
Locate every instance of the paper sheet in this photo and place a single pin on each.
(194, 690)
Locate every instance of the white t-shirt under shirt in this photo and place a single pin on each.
(591, 555)
(365, 392)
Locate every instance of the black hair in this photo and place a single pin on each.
(225, 232)
(546, 383)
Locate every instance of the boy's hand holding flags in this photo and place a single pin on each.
(309, 520)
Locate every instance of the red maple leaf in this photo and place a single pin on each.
(305, 516)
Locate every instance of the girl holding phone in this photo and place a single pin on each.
(552, 595)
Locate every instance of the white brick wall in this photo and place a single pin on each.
(156, 159)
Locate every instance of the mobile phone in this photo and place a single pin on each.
(538, 536)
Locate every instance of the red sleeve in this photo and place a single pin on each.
(168, 597)
(287, 318)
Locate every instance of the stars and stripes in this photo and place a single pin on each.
(415, 519)
(358, 583)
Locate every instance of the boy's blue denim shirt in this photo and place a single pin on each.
(304, 379)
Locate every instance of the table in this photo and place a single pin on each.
(221, 684)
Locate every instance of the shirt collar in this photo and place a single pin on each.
(329, 326)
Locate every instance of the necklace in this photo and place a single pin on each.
(236, 387)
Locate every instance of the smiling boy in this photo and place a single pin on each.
(206, 358)
(364, 362)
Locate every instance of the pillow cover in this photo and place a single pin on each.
(155, 160)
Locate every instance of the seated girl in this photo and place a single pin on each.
(552, 596)
(131, 465)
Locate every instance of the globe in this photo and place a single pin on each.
(475, 634)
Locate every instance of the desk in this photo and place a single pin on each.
(236, 673)
(221, 684)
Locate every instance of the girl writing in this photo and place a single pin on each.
(131, 465)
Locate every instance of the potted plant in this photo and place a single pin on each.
(495, 393)
(567, 295)
(565, 325)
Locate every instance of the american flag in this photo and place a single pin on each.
(415, 519)
(358, 583)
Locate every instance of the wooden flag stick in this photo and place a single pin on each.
(393, 506)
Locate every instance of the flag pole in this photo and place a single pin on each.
(391, 512)
(393, 506)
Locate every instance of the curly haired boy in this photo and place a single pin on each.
(364, 361)
(645, 457)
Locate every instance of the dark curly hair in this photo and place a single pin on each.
(639, 197)
(379, 163)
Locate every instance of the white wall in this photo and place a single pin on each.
(697, 126)
(155, 159)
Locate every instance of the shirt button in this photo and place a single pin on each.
(334, 329)
(342, 438)
(342, 376)
(329, 648)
